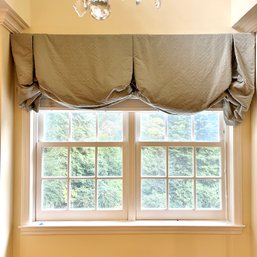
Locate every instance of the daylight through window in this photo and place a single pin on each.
(84, 169)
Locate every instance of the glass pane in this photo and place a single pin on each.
(56, 126)
(109, 161)
(181, 193)
(110, 126)
(109, 194)
(153, 161)
(83, 126)
(181, 161)
(82, 161)
(153, 194)
(180, 128)
(208, 193)
(208, 161)
(55, 162)
(82, 194)
(152, 126)
(54, 194)
(206, 126)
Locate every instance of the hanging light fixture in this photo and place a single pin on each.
(99, 9)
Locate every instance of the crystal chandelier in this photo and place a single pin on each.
(100, 9)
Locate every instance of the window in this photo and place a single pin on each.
(180, 172)
(113, 165)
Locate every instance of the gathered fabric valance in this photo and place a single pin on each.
(173, 73)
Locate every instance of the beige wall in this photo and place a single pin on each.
(175, 17)
(6, 145)
(22, 7)
(254, 175)
(240, 8)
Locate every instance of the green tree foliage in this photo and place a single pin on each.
(83, 126)
(181, 161)
(153, 161)
(110, 126)
(180, 127)
(153, 194)
(82, 194)
(54, 194)
(152, 126)
(109, 194)
(206, 126)
(208, 193)
(181, 193)
(107, 161)
(55, 162)
(56, 127)
(82, 161)
(208, 161)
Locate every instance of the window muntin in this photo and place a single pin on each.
(181, 160)
(159, 144)
(80, 170)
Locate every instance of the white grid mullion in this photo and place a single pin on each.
(68, 178)
(194, 177)
(96, 176)
(167, 177)
(69, 164)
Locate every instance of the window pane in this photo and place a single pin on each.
(83, 126)
(181, 161)
(206, 126)
(83, 194)
(56, 126)
(181, 193)
(82, 161)
(110, 126)
(208, 161)
(208, 193)
(54, 194)
(109, 194)
(152, 126)
(109, 161)
(153, 194)
(153, 161)
(180, 128)
(55, 162)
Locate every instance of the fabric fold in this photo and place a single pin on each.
(191, 73)
(75, 71)
(240, 92)
(172, 73)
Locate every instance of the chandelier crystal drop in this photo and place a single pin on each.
(100, 9)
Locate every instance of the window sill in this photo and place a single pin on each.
(130, 227)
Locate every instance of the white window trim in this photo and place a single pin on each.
(65, 215)
(233, 224)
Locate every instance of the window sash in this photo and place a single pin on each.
(131, 180)
(180, 214)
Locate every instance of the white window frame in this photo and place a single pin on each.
(60, 215)
(181, 214)
(231, 224)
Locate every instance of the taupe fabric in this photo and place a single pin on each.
(190, 73)
(173, 73)
(76, 71)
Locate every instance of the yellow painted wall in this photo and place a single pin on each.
(6, 145)
(254, 175)
(175, 17)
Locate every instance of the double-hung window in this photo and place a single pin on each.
(136, 165)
